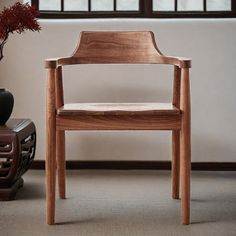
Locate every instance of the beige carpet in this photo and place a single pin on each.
(124, 203)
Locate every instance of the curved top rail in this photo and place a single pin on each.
(117, 47)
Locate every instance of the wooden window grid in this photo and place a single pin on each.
(145, 11)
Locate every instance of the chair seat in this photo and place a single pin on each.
(118, 109)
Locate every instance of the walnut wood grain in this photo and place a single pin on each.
(175, 170)
(109, 47)
(176, 87)
(60, 137)
(61, 164)
(175, 164)
(118, 109)
(119, 122)
(51, 147)
(59, 88)
(185, 146)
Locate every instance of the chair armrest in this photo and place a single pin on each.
(61, 61)
(53, 63)
(177, 61)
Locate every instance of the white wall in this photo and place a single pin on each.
(210, 44)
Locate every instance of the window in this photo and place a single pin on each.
(135, 8)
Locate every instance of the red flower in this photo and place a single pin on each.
(18, 18)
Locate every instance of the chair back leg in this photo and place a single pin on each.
(61, 164)
(175, 165)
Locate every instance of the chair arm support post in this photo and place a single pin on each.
(59, 88)
(175, 164)
(176, 87)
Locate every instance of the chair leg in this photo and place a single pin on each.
(50, 149)
(61, 165)
(185, 172)
(175, 163)
(51, 180)
(185, 147)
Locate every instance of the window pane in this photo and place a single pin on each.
(218, 5)
(190, 5)
(163, 5)
(27, 1)
(54, 5)
(76, 5)
(127, 5)
(102, 5)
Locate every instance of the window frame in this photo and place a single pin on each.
(145, 11)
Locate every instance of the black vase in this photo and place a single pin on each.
(6, 105)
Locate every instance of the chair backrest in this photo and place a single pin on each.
(117, 47)
(113, 47)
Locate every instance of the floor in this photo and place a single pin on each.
(123, 203)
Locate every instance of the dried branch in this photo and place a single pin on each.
(17, 18)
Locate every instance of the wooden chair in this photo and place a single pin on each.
(115, 48)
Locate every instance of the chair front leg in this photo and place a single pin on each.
(50, 148)
(185, 147)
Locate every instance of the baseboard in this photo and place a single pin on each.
(139, 165)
